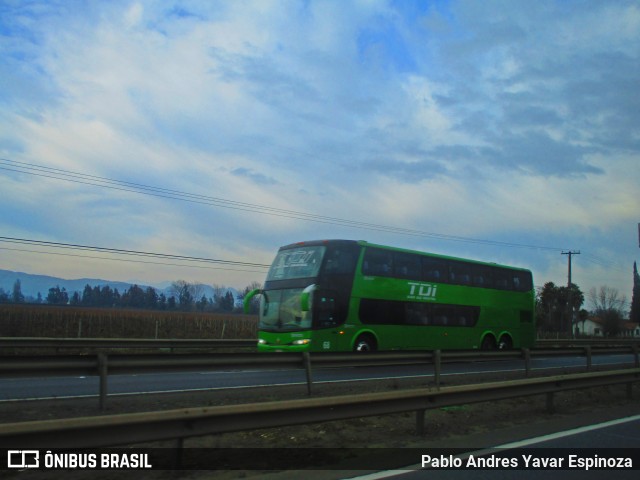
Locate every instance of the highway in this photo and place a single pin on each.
(37, 388)
(618, 438)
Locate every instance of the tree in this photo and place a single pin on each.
(17, 296)
(223, 298)
(87, 296)
(162, 302)
(171, 303)
(150, 298)
(197, 290)
(75, 299)
(185, 299)
(116, 297)
(106, 296)
(185, 293)
(606, 298)
(229, 302)
(4, 296)
(634, 314)
(554, 314)
(134, 297)
(575, 300)
(254, 305)
(58, 296)
(202, 304)
(218, 295)
(608, 305)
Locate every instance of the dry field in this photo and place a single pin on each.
(81, 322)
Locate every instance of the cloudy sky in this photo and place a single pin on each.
(505, 131)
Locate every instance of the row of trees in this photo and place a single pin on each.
(182, 295)
(559, 309)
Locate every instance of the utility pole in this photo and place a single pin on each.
(569, 290)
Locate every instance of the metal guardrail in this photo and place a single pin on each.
(177, 344)
(103, 364)
(125, 429)
(612, 341)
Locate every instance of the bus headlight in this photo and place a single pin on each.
(262, 341)
(302, 341)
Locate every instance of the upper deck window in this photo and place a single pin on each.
(299, 262)
(414, 266)
(378, 262)
(341, 260)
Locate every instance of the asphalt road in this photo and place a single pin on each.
(568, 454)
(15, 389)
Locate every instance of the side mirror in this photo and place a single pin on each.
(305, 297)
(246, 303)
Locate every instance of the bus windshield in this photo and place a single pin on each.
(280, 311)
(300, 262)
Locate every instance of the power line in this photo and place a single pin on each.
(93, 180)
(127, 252)
(604, 263)
(128, 260)
(116, 251)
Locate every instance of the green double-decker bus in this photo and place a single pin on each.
(346, 295)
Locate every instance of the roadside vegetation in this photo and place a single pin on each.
(186, 312)
(181, 296)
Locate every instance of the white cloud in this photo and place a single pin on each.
(515, 122)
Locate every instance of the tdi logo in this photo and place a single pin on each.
(23, 459)
(422, 291)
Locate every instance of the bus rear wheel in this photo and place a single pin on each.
(365, 343)
(488, 343)
(505, 343)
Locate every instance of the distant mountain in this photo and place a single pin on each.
(31, 285)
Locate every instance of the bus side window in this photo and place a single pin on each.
(339, 261)
(502, 279)
(417, 313)
(383, 312)
(482, 276)
(442, 315)
(466, 316)
(434, 270)
(460, 273)
(406, 266)
(522, 281)
(377, 262)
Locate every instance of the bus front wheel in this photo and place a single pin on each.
(365, 343)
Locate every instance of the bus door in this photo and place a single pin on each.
(328, 321)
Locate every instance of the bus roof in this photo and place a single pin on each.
(364, 243)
